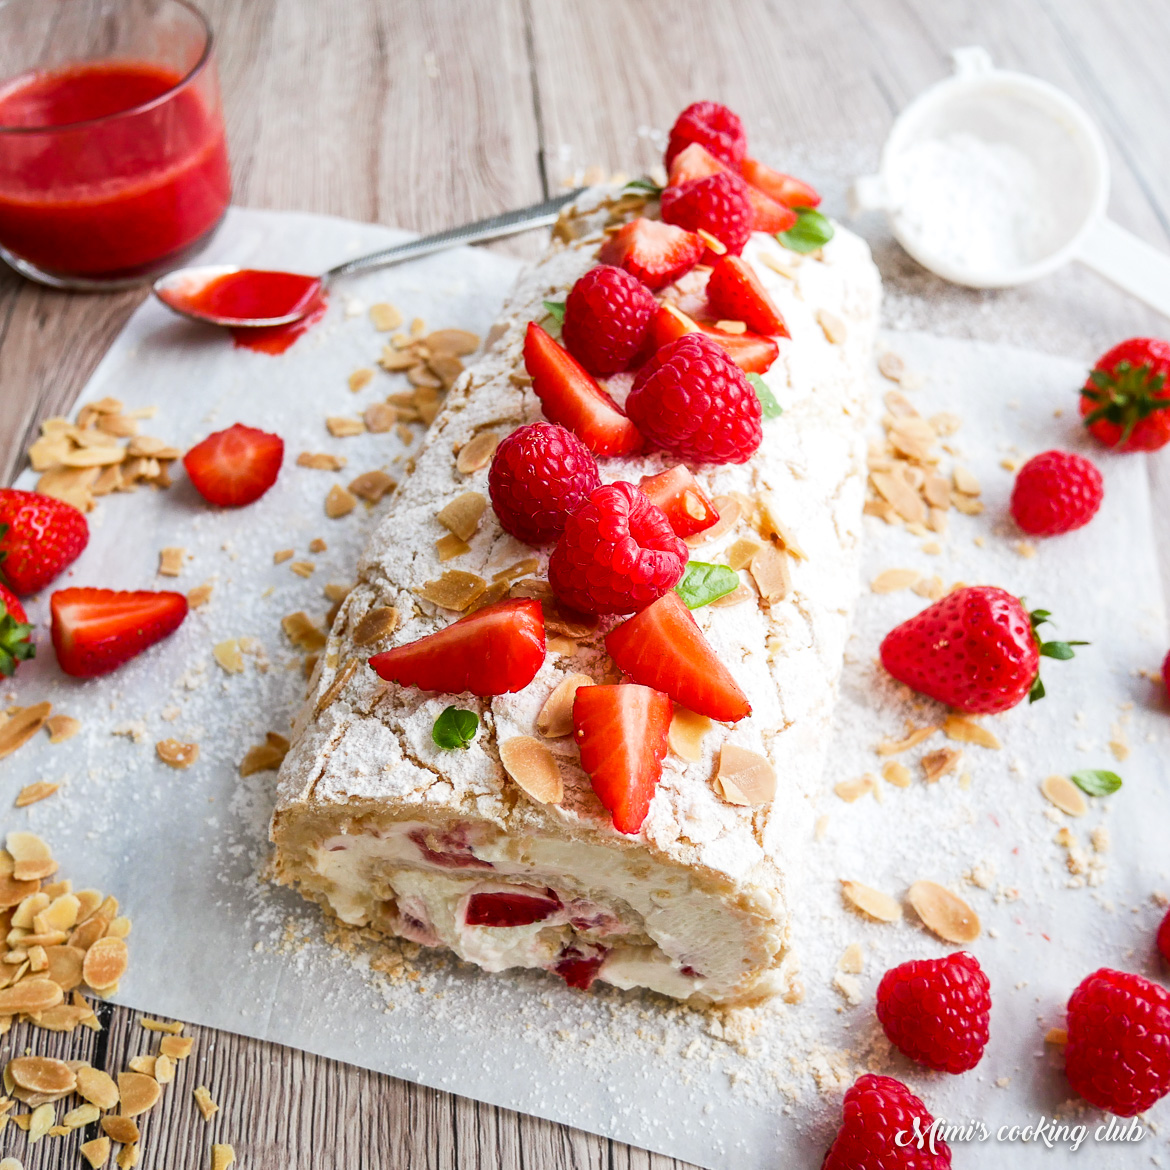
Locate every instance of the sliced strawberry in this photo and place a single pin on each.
(768, 215)
(622, 731)
(570, 395)
(448, 849)
(751, 352)
(780, 187)
(735, 293)
(696, 162)
(655, 252)
(663, 647)
(96, 630)
(235, 467)
(494, 651)
(677, 493)
(578, 967)
(521, 906)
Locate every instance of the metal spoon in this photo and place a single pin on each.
(174, 288)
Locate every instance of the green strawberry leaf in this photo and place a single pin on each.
(703, 583)
(1037, 692)
(643, 185)
(810, 232)
(1062, 651)
(455, 728)
(556, 310)
(1096, 783)
(768, 404)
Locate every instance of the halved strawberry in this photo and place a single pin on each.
(780, 187)
(655, 252)
(97, 630)
(235, 467)
(621, 731)
(677, 493)
(751, 352)
(493, 651)
(735, 293)
(768, 215)
(519, 906)
(696, 162)
(571, 396)
(663, 647)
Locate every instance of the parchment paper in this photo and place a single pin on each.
(184, 851)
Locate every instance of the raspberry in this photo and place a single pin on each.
(618, 553)
(1118, 1051)
(1056, 492)
(607, 314)
(936, 1010)
(879, 1113)
(1164, 929)
(693, 400)
(540, 474)
(718, 204)
(714, 127)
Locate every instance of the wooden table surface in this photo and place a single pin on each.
(424, 115)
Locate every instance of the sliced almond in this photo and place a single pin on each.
(60, 914)
(385, 316)
(1065, 795)
(739, 555)
(1057, 1036)
(339, 502)
(97, 1087)
(744, 777)
(341, 427)
(769, 570)
(138, 1093)
(533, 767)
(375, 625)
(477, 452)
(937, 764)
(176, 754)
(41, 1121)
(463, 514)
(62, 727)
(729, 510)
(773, 527)
(968, 505)
(64, 965)
(871, 902)
(34, 792)
(120, 1128)
(320, 461)
(229, 655)
(96, 1152)
(452, 342)
(26, 912)
(448, 547)
(164, 1069)
(891, 366)
(150, 447)
(31, 857)
(81, 1116)
(964, 729)
(167, 1027)
(302, 633)
(965, 481)
(128, 1156)
(892, 580)
(902, 496)
(832, 325)
(29, 997)
(303, 568)
(222, 1156)
(896, 773)
(206, 1105)
(855, 789)
(22, 724)
(371, 486)
(455, 590)
(714, 244)
(143, 1063)
(893, 747)
(105, 963)
(266, 756)
(176, 1047)
(556, 716)
(687, 731)
(944, 913)
(41, 1074)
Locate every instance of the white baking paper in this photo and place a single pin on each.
(215, 944)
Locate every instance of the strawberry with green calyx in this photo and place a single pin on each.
(40, 537)
(1126, 400)
(976, 650)
(15, 633)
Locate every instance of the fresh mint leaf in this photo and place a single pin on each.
(703, 583)
(455, 728)
(1095, 783)
(810, 232)
(771, 408)
(556, 310)
(644, 185)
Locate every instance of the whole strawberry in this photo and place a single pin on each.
(1056, 492)
(714, 127)
(718, 204)
(15, 633)
(607, 315)
(39, 537)
(1164, 937)
(1118, 1051)
(936, 1011)
(691, 399)
(878, 1130)
(975, 650)
(1126, 401)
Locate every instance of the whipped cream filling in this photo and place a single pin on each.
(642, 924)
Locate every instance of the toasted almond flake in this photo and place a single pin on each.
(93, 457)
(965, 482)
(1058, 1036)
(873, 903)
(11, 890)
(266, 756)
(901, 495)
(22, 724)
(377, 624)
(964, 729)
(371, 486)
(360, 379)
(176, 1047)
(61, 728)
(25, 914)
(176, 754)
(222, 1156)
(229, 655)
(41, 1074)
(120, 1129)
(937, 491)
(852, 960)
(90, 931)
(744, 777)
(687, 731)
(60, 914)
(463, 514)
(168, 1027)
(1025, 548)
(342, 427)
(452, 342)
(301, 631)
(339, 502)
(533, 767)
(739, 555)
(164, 1069)
(152, 448)
(170, 561)
(339, 683)
(772, 527)
(42, 1120)
(714, 244)
(105, 963)
(303, 568)
(81, 1116)
(1062, 792)
(321, 461)
(138, 1093)
(206, 1105)
(31, 857)
(914, 439)
(420, 375)
(832, 325)
(282, 555)
(448, 547)
(38, 790)
(556, 716)
(455, 590)
(30, 996)
(128, 1156)
(446, 368)
(337, 592)
(96, 1152)
(769, 570)
(532, 587)
(143, 1063)
(893, 747)
(65, 965)
(477, 452)
(896, 773)
(891, 366)
(931, 587)
(851, 790)
(380, 418)
(943, 913)
(731, 326)
(892, 580)
(385, 316)
(938, 763)
(968, 505)
(97, 1087)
